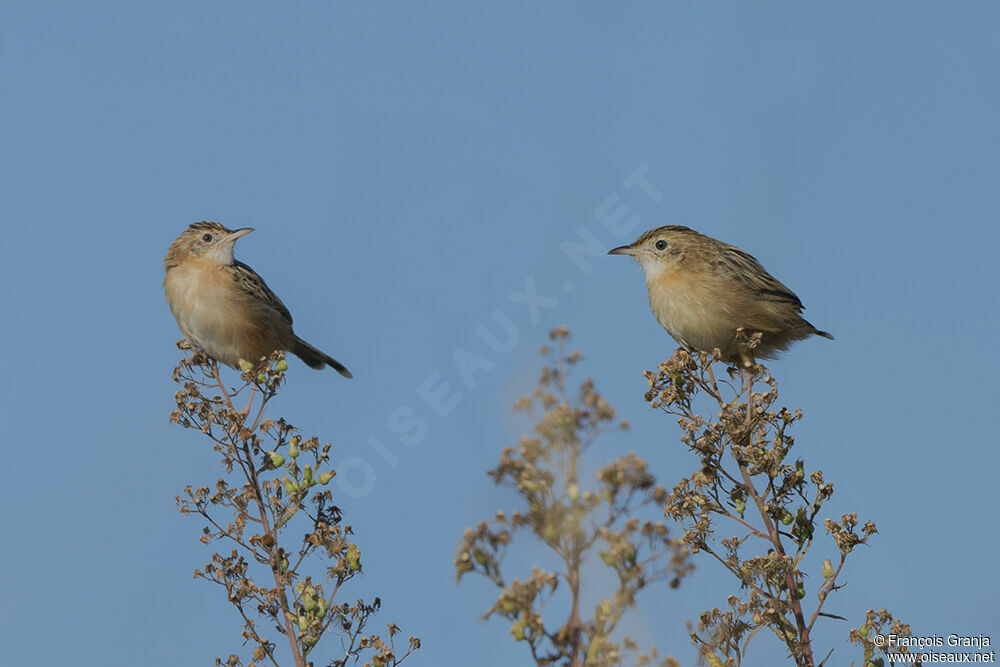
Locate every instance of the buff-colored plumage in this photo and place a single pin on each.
(223, 307)
(708, 294)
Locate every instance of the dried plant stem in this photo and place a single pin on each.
(262, 501)
(804, 655)
(742, 443)
(805, 659)
(614, 517)
(245, 458)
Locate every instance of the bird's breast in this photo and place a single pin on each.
(690, 310)
(209, 309)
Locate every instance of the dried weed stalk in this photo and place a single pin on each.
(575, 519)
(747, 482)
(271, 506)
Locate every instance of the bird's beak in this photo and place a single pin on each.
(623, 250)
(232, 238)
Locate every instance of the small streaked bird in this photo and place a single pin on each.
(223, 307)
(708, 294)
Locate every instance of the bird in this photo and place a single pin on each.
(223, 307)
(710, 295)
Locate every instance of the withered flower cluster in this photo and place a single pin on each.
(747, 482)
(575, 519)
(290, 551)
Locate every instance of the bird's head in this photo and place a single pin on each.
(208, 241)
(661, 249)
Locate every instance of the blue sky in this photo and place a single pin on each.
(409, 168)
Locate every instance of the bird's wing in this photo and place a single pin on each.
(251, 283)
(741, 266)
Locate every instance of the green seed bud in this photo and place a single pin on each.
(573, 491)
(827, 569)
(863, 631)
(307, 476)
(787, 519)
(281, 366)
(293, 447)
(261, 378)
(245, 366)
(303, 623)
(325, 477)
(277, 460)
(508, 606)
(517, 630)
(354, 557)
(713, 660)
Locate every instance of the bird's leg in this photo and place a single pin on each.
(222, 385)
(246, 411)
(746, 346)
(229, 399)
(748, 372)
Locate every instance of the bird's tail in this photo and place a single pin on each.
(316, 359)
(824, 334)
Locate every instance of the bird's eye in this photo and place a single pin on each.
(207, 238)
(661, 245)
